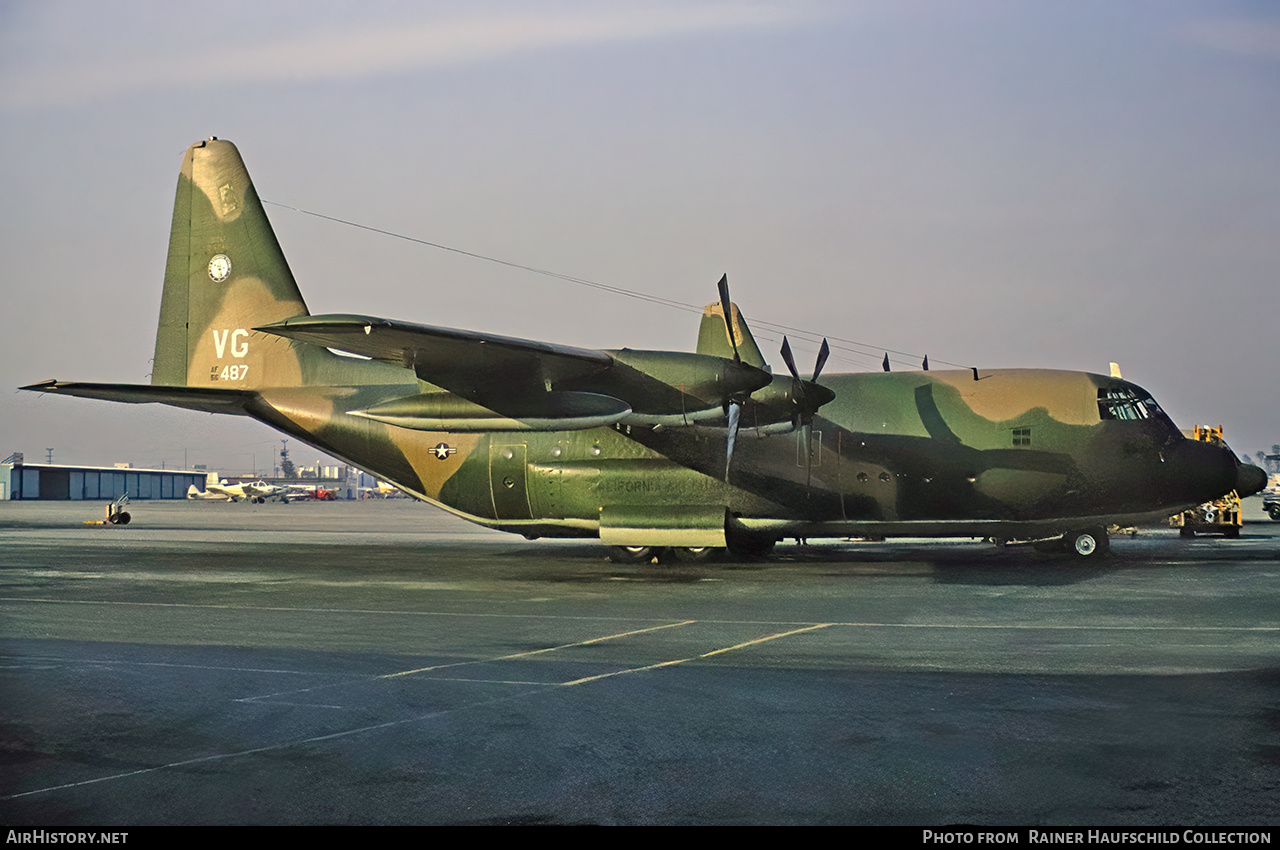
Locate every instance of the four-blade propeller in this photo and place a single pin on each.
(804, 398)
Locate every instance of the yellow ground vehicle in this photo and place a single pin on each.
(1221, 516)
(116, 514)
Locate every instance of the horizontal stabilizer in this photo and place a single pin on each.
(191, 398)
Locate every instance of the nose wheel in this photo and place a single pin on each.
(1086, 544)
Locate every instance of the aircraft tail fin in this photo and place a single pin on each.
(713, 336)
(225, 274)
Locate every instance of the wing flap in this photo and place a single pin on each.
(485, 368)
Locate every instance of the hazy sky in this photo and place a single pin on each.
(1049, 184)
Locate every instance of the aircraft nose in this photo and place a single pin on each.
(1250, 479)
(1201, 471)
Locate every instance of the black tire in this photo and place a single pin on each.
(123, 518)
(633, 554)
(697, 554)
(1274, 510)
(1087, 543)
(1186, 532)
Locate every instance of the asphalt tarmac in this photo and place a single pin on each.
(384, 663)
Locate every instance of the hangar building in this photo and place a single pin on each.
(20, 480)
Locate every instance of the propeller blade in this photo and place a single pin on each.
(823, 354)
(808, 454)
(885, 364)
(797, 385)
(806, 406)
(926, 363)
(727, 308)
(789, 359)
(735, 413)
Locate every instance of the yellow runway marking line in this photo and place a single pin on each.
(272, 696)
(696, 657)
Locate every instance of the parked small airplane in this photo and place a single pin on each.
(194, 492)
(654, 452)
(382, 491)
(256, 491)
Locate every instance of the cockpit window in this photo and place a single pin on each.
(1126, 403)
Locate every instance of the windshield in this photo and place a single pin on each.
(1131, 404)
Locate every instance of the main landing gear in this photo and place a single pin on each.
(633, 554)
(740, 548)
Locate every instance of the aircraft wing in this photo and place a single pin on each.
(481, 367)
(208, 400)
(535, 385)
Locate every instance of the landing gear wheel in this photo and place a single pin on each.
(123, 518)
(696, 554)
(1274, 511)
(1089, 543)
(633, 554)
(1186, 532)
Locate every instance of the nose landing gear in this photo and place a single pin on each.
(1088, 543)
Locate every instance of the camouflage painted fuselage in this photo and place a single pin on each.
(1016, 453)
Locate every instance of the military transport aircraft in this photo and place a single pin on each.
(654, 452)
